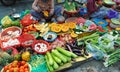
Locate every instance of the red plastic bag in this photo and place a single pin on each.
(27, 20)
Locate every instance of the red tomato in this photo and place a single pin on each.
(22, 67)
(23, 62)
(10, 66)
(21, 70)
(26, 65)
(6, 68)
(26, 69)
(16, 69)
(19, 64)
(11, 70)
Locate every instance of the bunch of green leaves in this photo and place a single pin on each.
(112, 58)
(14, 23)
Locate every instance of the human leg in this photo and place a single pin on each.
(36, 15)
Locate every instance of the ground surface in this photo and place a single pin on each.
(90, 66)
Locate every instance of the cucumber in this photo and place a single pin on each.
(50, 59)
(73, 55)
(55, 65)
(68, 58)
(48, 66)
(59, 55)
(56, 58)
(65, 52)
(61, 64)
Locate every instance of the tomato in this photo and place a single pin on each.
(23, 62)
(26, 65)
(6, 68)
(10, 66)
(21, 70)
(15, 63)
(7, 71)
(22, 67)
(16, 69)
(19, 64)
(11, 69)
(26, 69)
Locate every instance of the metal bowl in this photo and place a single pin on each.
(16, 15)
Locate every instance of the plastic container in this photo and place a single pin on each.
(7, 44)
(28, 66)
(26, 40)
(52, 35)
(13, 29)
(100, 22)
(71, 19)
(37, 46)
(112, 25)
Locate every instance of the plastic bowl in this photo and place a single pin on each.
(71, 19)
(100, 22)
(28, 65)
(13, 29)
(53, 36)
(39, 46)
(26, 38)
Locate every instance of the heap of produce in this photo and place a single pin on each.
(17, 66)
(58, 57)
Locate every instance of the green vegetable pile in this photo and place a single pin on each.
(112, 58)
(105, 47)
(58, 57)
(14, 23)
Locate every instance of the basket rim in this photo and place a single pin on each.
(38, 41)
(22, 40)
(20, 30)
(30, 68)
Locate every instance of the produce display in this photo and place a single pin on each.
(58, 57)
(28, 45)
(16, 66)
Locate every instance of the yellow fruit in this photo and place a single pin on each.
(73, 34)
(56, 28)
(72, 25)
(65, 28)
(118, 28)
(26, 56)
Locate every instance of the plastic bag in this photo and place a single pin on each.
(23, 13)
(6, 20)
(27, 20)
(97, 54)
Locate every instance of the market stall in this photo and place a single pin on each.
(79, 35)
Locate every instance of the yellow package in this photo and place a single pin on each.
(6, 20)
